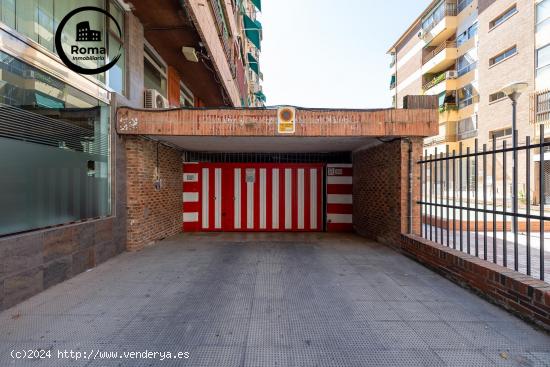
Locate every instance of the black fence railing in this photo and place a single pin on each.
(489, 202)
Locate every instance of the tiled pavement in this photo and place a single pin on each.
(269, 300)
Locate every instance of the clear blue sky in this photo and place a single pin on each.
(326, 53)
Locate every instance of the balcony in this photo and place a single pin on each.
(440, 83)
(448, 113)
(440, 58)
(467, 128)
(440, 24)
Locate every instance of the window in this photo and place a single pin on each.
(543, 14)
(466, 96)
(503, 17)
(471, 32)
(154, 72)
(55, 144)
(543, 59)
(38, 20)
(186, 97)
(429, 22)
(466, 62)
(503, 56)
(500, 133)
(116, 75)
(496, 96)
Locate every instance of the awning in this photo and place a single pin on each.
(253, 29)
(442, 99)
(253, 63)
(48, 102)
(392, 82)
(261, 96)
(257, 4)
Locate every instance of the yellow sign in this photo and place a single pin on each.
(286, 120)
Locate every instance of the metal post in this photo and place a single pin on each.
(430, 201)
(515, 184)
(541, 201)
(454, 199)
(494, 200)
(422, 178)
(504, 208)
(460, 191)
(441, 197)
(468, 199)
(476, 240)
(435, 196)
(484, 201)
(448, 188)
(528, 201)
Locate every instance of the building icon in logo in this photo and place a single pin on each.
(84, 33)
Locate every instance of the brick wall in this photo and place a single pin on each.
(521, 294)
(380, 190)
(153, 214)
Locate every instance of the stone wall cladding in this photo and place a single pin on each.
(523, 295)
(152, 214)
(30, 263)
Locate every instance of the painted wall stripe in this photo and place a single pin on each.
(205, 198)
(275, 199)
(339, 199)
(190, 217)
(339, 180)
(339, 218)
(190, 197)
(288, 198)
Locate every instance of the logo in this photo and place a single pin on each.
(87, 44)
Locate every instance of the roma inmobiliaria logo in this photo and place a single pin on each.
(82, 48)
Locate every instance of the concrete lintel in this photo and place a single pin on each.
(263, 122)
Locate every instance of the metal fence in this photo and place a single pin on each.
(489, 201)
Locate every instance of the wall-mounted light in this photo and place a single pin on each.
(190, 54)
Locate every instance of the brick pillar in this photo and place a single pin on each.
(380, 190)
(153, 212)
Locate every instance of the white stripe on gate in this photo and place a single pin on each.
(237, 198)
(262, 198)
(288, 198)
(300, 198)
(339, 180)
(190, 217)
(218, 198)
(250, 203)
(339, 218)
(190, 197)
(313, 198)
(339, 199)
(275, 199)
(205, 197)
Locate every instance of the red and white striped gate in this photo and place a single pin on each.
(339, 197)
(252, 197)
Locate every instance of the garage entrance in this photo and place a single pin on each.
(253, 197)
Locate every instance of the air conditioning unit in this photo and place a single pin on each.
(153, 99)
(451, 74)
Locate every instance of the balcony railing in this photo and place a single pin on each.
(447, 10)
(224, 35)
(466, 129)
(437, 50)
(467, 69)
(452, 106)
(435, 81)
(462, 4)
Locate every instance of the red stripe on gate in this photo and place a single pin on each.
(244, 195)
(340, 189)
(339, 227)
(340, 208)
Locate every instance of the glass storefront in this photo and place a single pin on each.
(38, 20)
(54, 149)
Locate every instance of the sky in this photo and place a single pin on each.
(319, 54)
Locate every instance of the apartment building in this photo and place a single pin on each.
(465, 52)
(66, 205)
